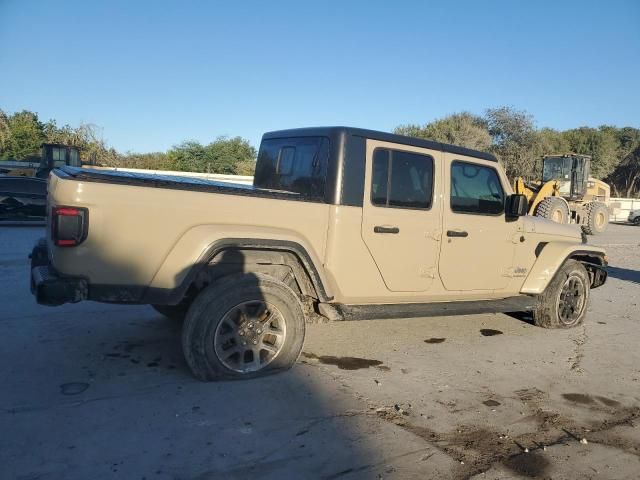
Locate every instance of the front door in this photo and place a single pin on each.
(401, 214)
(477, 240)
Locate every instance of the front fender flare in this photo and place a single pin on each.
(552, 257)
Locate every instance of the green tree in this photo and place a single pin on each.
(601, 143)
(245, 167)
(463, 129)
(625, 179)
(25, 137)
(5, 132)
(515, 141)
(550, 141)
(220, 156)
(628, 141)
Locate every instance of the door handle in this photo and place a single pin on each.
(456, 233)
(381, 229)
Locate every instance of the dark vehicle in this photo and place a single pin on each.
(22, 198)
(23, 190)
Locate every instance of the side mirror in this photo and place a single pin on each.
(516, 205)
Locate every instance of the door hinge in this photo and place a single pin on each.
(427, 272)
(434, 235)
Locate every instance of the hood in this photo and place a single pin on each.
(544, 226)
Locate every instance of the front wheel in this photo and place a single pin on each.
(243, 326)
(564, 302)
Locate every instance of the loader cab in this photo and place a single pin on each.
(56, 155)
(570, 171)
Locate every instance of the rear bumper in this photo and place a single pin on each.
(48, 286)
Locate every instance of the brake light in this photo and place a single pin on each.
(69, 226)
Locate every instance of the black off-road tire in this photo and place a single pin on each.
(636, 221)
(547, 313)
(553, 208)
(174, 312)
(212, 305)
(597, 218)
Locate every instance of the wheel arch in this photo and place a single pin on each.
(554, 255)
(261, 254)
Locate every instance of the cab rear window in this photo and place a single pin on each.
(297, 164)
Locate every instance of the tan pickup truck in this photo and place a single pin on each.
(343, 223)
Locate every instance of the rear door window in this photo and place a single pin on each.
(401, 179)
(297, 164)
(475, 189)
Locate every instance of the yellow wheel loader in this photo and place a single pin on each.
(23, 185)
(567, 194)
(53, 155)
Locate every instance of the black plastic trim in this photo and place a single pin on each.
(382, 136)
(175, 183)
(598, 270)
(351, 191)
(173, 296)
(53, 289)
(411, 310)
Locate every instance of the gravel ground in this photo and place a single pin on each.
(101, 391)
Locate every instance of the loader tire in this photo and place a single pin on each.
(597, 218)
(553, 208)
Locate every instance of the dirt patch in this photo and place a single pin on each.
(73, 388)
(608, 402)
(532, 464)
(489, 332)
(530, 395)
(344, 363)
(434, 340)
(578, 398)
(477, 449)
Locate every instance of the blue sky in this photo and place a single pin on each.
(154, 73)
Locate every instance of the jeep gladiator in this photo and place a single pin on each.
(341, 223)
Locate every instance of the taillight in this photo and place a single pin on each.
(69, 226)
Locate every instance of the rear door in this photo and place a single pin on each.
(477, 241)
(401, 214)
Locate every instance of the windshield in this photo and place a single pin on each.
(556, 168)
(74, 158)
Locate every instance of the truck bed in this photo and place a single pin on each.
(152, 180)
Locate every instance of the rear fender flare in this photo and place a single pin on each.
(219, 246)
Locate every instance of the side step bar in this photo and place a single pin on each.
(518, 303)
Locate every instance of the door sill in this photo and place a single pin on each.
(518, 303)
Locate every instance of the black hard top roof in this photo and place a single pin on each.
(382, 136)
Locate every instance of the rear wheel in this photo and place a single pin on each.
(564, 302)
(636, 221)
(243, 326)
(553, 208)
(597, 218)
